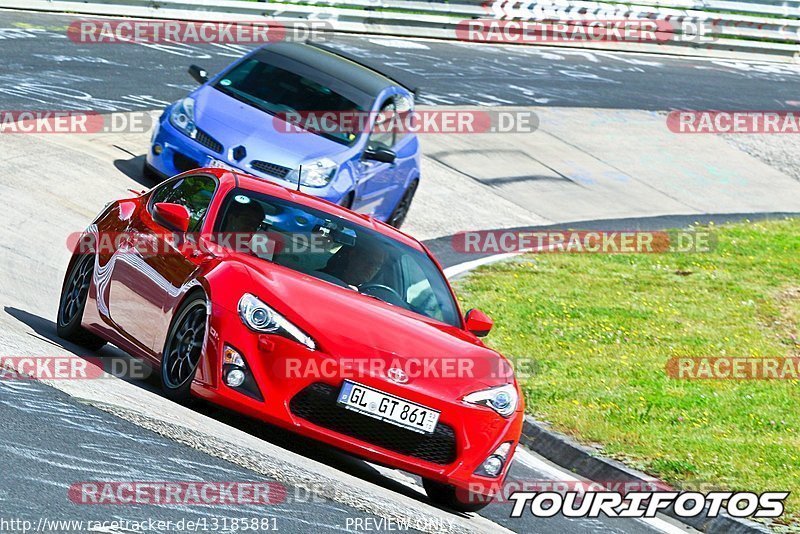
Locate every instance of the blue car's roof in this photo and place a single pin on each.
(348, 73)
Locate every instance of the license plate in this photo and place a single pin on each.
(388, 408)
(217, 164)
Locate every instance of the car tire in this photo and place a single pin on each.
(398, 216)
(149, 173)
(72, 303)
(183, 348)
(458, 499)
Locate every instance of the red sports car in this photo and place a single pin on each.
(303, 314)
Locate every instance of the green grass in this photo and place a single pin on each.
(600, 329)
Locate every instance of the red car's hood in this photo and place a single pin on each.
(346, 324)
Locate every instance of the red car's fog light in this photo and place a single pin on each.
(493, 465)
(235, 378)
(236, 375)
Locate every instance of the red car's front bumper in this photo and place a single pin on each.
(305, 402)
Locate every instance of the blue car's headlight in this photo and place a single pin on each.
(182, 117)
(317, 173)
(502, 399)
(261, 318)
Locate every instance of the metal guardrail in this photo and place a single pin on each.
(741, 29)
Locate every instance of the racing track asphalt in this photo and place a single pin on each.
(50, 441)
(43, 70)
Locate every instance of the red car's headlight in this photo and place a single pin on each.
(257, 316)
(502, 399)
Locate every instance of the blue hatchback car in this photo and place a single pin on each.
(233, 120)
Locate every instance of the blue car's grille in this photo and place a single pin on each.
(207, 141)
(183, 163)
(270, 168)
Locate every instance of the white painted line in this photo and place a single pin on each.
(525, 457)
(410, 44)
(461, 268)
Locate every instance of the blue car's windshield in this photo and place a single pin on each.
(275, 90)
(335, 250)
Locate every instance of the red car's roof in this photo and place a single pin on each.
(253, 183)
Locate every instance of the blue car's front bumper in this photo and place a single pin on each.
(180, 153)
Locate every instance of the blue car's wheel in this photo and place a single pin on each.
(151, 174)
(399, 214)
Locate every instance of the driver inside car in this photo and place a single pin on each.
(356, 265)
(245, 217)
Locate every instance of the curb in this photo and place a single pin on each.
(583, 461)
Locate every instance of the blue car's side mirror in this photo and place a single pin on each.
(198, 73)
(384, 155)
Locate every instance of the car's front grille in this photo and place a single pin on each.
(207, 141)
(270, 168)
(183, 163)
(317, 403)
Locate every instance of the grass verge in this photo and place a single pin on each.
(601, 329)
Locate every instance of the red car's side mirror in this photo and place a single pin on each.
(478, 323)
(173, 216)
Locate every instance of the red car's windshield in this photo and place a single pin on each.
(333, 249)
